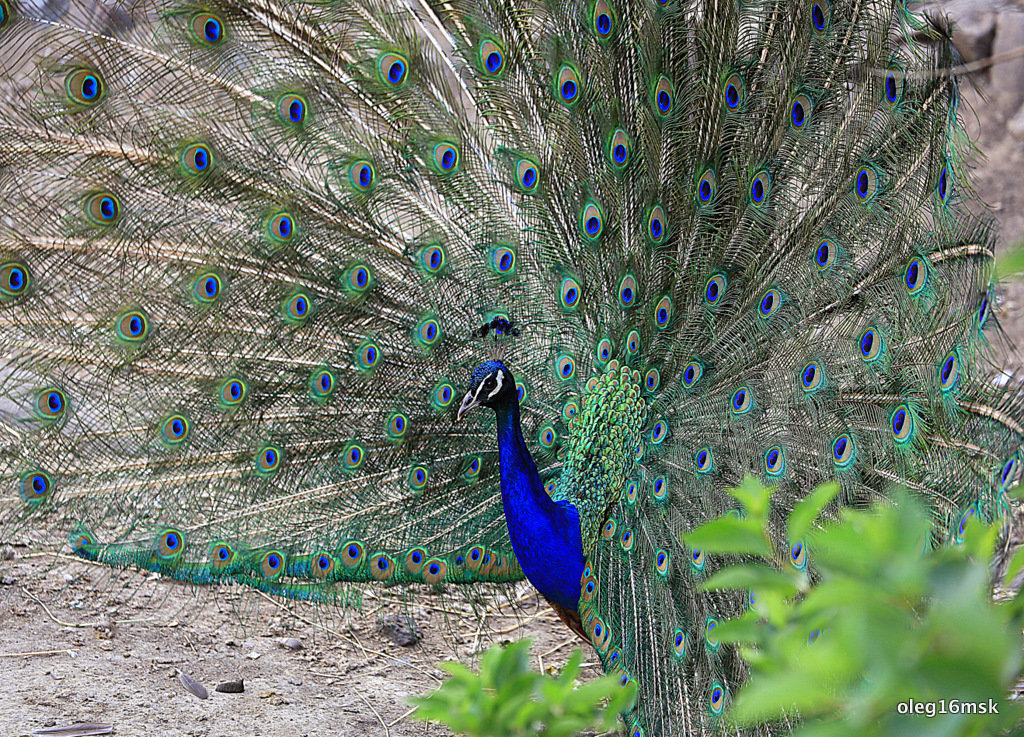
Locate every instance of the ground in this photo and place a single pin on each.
(76, 646)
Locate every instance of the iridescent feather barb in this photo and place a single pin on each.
(248, 251)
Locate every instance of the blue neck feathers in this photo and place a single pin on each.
(545, 534)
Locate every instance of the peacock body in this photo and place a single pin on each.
(251, 252)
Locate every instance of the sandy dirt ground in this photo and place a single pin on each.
(78, 646)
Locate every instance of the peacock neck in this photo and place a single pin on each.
(545, 534)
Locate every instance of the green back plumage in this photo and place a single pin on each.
(245, 246)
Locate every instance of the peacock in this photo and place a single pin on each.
(306, 295)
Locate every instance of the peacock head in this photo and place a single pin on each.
(491, 385)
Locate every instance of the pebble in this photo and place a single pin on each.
(236, 686)
(400, 629)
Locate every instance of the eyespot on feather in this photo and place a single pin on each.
(14, 279)
(418, 477)
(569, 294)
(322, 566)
(915, 277)
(445, 158)
(800, 111)
(353, 456)
(603, 20)
(393, 70)
(169, 544)
(321, 383)
(232, 392)
(432, 259)
(865, 183)
(619, 149)
(527, 175)
(434, 571)
(102, 208)
(297, 308)
(893, 88)
(175, 429)
(703, 461)
(567, 85)
(207, 29)
(820, 12)
(291, 109)
(382, 567)
(775, 461)
(692, 374)
(591, 221)
(491, 57)
(415, 559)
(664, 97)
(358, 279)
(362, 175)
(368, 356)
(811, 377)
(627, 291)
(714, 289)
(733, 92)
(742, 401)
(221, 556)
(34, 487)
(268, 460)
(206, 288)
(706, 187)
(503, 261)
(84, 87)
(196, 160)
(871, 345)
(825, 254)
(798, 555)
(132, 326)
(843, 451)
(352, 554)
(50, 404)
(281, 227)
(272, 565)
(656, 225)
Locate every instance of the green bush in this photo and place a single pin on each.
(888, 633)
(507, 699)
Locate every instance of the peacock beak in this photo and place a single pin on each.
(468, 403)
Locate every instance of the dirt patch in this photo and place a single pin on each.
(78, 646)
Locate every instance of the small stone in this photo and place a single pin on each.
(253, 655)
(236, 686)
(291, 644)
(400, 629)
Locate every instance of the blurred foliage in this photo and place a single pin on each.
(885, 624)
(1011, 263)
(507, 699)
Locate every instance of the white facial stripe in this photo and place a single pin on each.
(501, 376)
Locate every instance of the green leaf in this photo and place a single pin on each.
(1014, 567)
(1010, 263)
(753, 576)
(807, 510)
(754, 497)
(741, 536)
